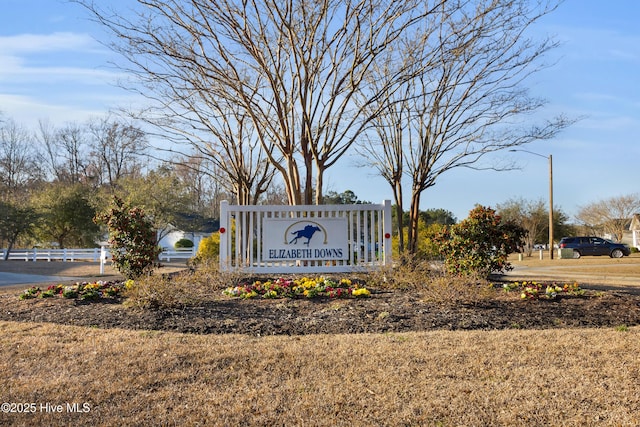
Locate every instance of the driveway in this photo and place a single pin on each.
(10, 279)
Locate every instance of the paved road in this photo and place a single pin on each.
(9, 279)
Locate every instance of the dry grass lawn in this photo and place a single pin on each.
(567, 377)
(559, 377)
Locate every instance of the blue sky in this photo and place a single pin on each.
(52, 67)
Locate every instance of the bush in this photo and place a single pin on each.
(480, 245)
(183, 243)
(184, 289)
(155, 292)
(427, 248)
(209, 249)
(427, 281)
(410, 275)
(132, 239)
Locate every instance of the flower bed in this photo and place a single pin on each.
(535, 290)
(83, 291)
(302, 287)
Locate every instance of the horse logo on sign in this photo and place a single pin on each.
(322, 239)
(307, 232)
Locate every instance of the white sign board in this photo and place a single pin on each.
(292, 239)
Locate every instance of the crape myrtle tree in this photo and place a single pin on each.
(292, 68)
(223, 146)
(469, 100)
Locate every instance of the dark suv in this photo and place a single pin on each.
(594, 246)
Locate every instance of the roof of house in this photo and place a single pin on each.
(197, 223)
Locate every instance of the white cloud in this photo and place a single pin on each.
(56, 42)
(10, 64)
(589, 44)
(18, 72)
(22, 108)
(30, 60)
(28, 110)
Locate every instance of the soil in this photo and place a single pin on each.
(384, 311)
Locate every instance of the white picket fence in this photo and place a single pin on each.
(177, 254)
(91, 254)
(244, 242)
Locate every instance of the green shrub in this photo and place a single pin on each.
(183, 243)
(480, 245)
(132, 238)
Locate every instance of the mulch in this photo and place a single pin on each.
(384, 311)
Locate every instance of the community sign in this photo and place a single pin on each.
(288, 239)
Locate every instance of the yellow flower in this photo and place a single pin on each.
(362, 292)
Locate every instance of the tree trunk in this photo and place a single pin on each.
(292, 182)
(308, 184)
(319, 196)
(397, 194)
(414, 216)
(9, 247)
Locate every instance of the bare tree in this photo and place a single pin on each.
(199, 179)
(470, 99)
(19, 160)
(382, 146)
(116, 149)
(610, 216)
(275, 195)
(220, 143)
(291, 67)
(529, 214)
(228, 150)
(67, 152)
(46, 136)
(73, 150)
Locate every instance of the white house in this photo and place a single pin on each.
(634, 227)
(172, 234)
